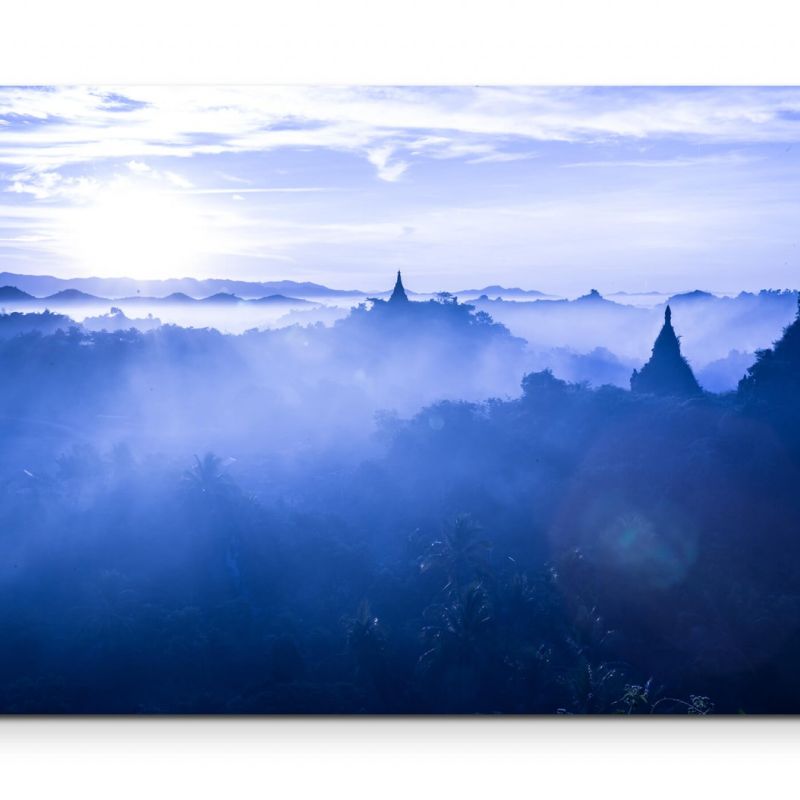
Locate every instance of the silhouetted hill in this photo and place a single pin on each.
(594, 298)
(591, 300)
(254, 290)
(177, 297)
(45, 323)
(10, 294)
(40, 285)
(73, 296)
(222, 297)
(494, 289)
(691, 297)
(636, 294)
(279, 299)
(116, 320)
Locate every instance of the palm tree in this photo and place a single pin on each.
(460, 665)
(461, 554)
(365, 638)
(218, 496)
(591, 686)
(207, 476)
(457, 631)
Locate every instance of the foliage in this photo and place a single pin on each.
(562, 549)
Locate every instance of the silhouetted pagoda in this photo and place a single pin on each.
(399, 294)
(667, 372)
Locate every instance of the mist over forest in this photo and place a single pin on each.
(417, 505)
(590, 338)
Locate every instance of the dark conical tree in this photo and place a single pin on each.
(399, 293)
(667, 372)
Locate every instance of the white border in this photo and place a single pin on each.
(410, 42)
(401, 758)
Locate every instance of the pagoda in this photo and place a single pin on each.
(399, 294)
(667, 372)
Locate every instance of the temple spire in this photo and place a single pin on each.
(667, 372)
(399, 293)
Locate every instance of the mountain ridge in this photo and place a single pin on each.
(122, 288)
(76, 297)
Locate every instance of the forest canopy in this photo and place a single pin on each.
(389, 515)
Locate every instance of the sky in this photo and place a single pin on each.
(557, 189)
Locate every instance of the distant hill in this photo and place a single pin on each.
(595, 298)
(41, 285)
(494, 289)
(175, 297)
(10, 294)
(691, 297)
(73, 296)
(222, 297)
(592, 300)
(44, 322)
(116, 320)
(637, 294)
(724, 374)
(279, 299)
(13, 296)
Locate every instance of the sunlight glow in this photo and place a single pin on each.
(137, 231)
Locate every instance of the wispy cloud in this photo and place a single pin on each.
(266, 190)
(496, 158)
(716, 159)
(43, 185)
(52, 184)
(46, 129)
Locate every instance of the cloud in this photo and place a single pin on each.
(168, 176)
(49, 184)
(40, 185)
(730, 159)
(47, 129)
(492, 158)
(266, 190)
(233, 178)
(177, 180)
(380, 157)
(138, 167)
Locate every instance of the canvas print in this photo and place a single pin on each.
(399, 400)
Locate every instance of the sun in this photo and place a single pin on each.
(137, 231)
